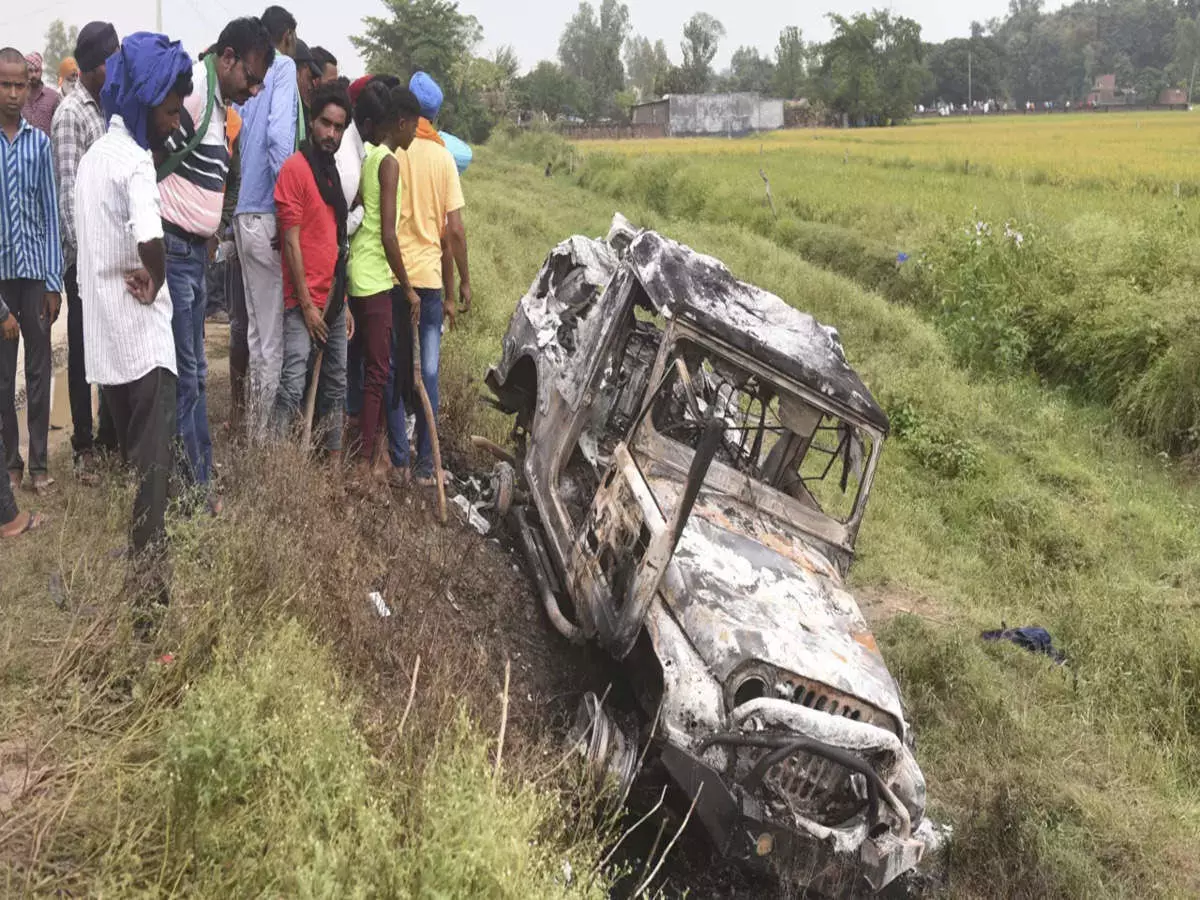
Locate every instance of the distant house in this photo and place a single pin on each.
(1173, 97)
(700, 114)
(1106, 93)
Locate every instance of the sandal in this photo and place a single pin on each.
(35, 521)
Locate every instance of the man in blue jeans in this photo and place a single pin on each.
(191, 192)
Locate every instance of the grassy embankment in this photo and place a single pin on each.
(270, 757)
(1097, 295)
(997, 501)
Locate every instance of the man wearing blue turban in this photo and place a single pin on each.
(128, 342)
(138, 78)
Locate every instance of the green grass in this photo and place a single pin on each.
(998, 500)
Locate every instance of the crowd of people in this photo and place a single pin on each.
(324, 214)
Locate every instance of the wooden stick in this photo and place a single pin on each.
(431, 421)
(310, 402)
(412, 692)
(503, 718)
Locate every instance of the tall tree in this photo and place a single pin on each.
(645, 64)
(550, 90)
(791, 64)
(430, 36)
(590, 50)
(60, 43)
(749, 70)
(964, 69)
(872, 67)
(701, 38)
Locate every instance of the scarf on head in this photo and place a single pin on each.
(138, 77)
(426, 131)
(329, 185)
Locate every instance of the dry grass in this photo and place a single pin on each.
(266, 755)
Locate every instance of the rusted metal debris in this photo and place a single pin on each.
(694, 462)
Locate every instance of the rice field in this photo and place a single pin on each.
(1124, 151)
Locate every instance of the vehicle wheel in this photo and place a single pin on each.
(504, 486)
(612, 755)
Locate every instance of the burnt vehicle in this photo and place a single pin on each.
(694, 460)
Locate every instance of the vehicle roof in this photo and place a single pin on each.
(700, 288)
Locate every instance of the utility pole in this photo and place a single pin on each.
(970, 84)
(158, 16)
(1192, 83)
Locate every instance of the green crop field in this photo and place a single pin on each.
(1013, 488)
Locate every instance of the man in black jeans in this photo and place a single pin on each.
(78, 123)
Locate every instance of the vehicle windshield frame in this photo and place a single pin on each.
(643, 439)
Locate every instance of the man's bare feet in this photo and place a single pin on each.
(23, 524)
(14, 479)
(41, 484)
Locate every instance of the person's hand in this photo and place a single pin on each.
(464, 297)
(212, 245)
(141, 284)
(451, 310)
(315, 323)
(51, 304)
(349, 325)
(9, 329)
(414, 306)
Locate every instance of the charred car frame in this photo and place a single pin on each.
(694, 460)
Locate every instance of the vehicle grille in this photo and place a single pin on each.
(809, 786)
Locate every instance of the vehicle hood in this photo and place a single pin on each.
(740, 600)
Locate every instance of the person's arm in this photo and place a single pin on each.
(9, 329)
(293, 258)
(68, 150)
(389, 178)
(448, 278)
(144, 221)
(456, 241)
(53, 260)
(281, 117)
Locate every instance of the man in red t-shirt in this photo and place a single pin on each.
(310, 209)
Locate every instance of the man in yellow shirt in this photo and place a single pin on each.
(431, 206)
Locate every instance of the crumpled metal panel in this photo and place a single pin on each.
(697, 286)
(739, 600)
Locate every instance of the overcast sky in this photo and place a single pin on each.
(531, 26)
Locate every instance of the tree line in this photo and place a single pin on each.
(874, 69)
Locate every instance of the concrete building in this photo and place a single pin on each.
(699, 114)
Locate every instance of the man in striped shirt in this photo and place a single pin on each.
(192, 191)
(79, 123)
(30, 272)
(128, 342)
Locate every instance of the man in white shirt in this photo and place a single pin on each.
(129, 346)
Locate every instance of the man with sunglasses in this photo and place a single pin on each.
(192, 174)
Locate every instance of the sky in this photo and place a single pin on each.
(532, 27)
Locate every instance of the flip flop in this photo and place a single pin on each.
(36, 520)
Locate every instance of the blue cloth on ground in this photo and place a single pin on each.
(138, 77)
(1033, 638)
